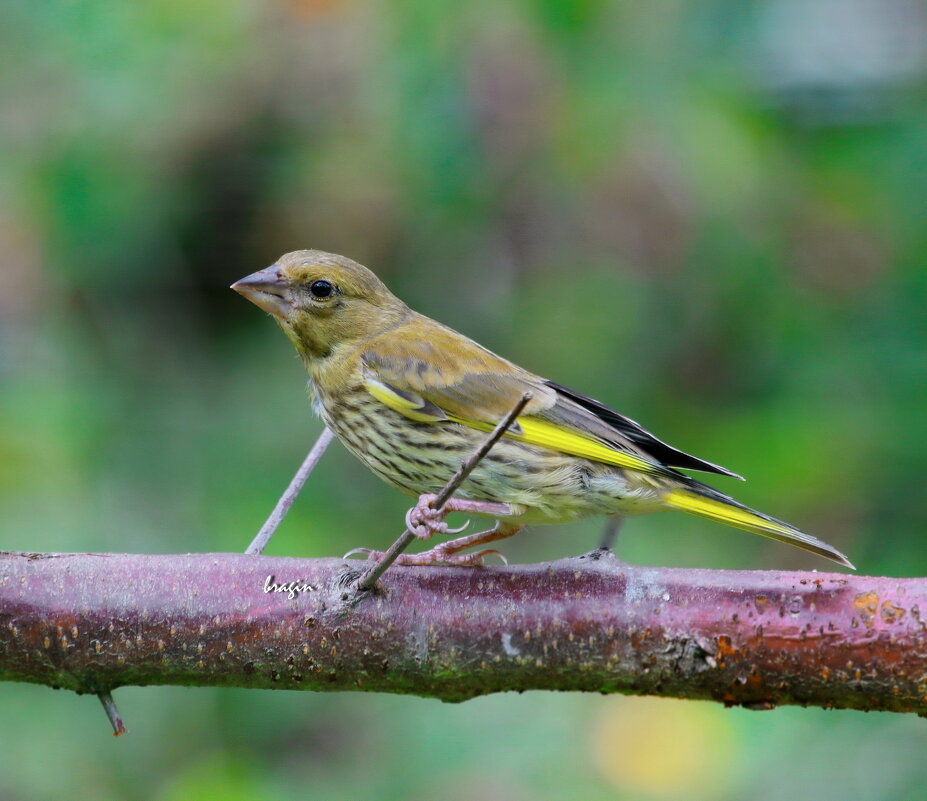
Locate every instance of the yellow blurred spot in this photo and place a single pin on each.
(664, 748)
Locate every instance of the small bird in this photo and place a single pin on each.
(412, 398)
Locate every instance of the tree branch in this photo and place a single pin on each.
(93, 622)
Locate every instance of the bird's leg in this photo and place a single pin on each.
(423, 520)
(447, 552)
(610, 535)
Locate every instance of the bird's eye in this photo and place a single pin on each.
(321, 289)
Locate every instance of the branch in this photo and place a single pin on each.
(93, 622)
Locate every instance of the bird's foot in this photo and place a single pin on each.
(435, 556)
(610, 535)
(448, 553)
(423, 520)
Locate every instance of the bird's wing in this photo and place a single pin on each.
(432, 374)
(634, 432)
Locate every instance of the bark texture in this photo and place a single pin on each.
(94, 622)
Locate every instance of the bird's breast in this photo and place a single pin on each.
(413, 457)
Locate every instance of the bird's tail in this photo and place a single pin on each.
(706, 502)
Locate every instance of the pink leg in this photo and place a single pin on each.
(423, 520)
(447, 553)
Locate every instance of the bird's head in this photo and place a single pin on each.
(322, 300)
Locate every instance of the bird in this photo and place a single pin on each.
(412, 398)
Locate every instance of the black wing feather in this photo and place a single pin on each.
(659, 450)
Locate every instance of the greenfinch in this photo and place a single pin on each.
(411, 398)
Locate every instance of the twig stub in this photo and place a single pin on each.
(112, 712)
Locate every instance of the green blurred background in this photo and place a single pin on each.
(709, 215)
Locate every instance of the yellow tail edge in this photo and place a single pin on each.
(732, 514)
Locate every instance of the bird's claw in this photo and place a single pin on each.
(423, 520)
(493, 552)
(369, 553)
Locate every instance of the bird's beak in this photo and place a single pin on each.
(266, 289)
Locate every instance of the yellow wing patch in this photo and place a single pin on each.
(550, 435)
(526, 429)
(407, 404)
(557, 438)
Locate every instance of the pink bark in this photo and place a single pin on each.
(93, 622)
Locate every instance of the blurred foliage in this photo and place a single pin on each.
(709, 215)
